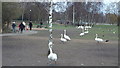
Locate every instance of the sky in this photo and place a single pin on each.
(109, 1)
(112, 8)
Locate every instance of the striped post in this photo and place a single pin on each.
(50, 21)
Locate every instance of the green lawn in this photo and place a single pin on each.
(61, 26)
(103, 31)
(106, 30)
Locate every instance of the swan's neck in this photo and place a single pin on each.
(51, 50)
(96, 36)
(61, 36)
(65, 32)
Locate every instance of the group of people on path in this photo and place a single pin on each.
(22, 26)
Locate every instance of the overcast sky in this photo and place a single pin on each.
(109, 1)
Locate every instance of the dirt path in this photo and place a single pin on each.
(31, 50)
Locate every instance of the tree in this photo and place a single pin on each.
(35, 11)
(10, 11)
(111, 18)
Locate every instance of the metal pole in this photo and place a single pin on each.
(73, 14)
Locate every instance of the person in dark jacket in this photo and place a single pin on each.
(30, 25)
(21, 26)
(13, 26)
(41, 23)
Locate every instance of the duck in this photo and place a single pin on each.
(51, 55)
(66, 36)
(99, 39)
(63, 39)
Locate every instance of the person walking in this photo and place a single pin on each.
(21, 26)
(13, 27)
(41, 23)
(30, 25)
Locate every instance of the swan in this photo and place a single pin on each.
(65, 36)
(52, 56)
(86, 31)
(81, 34)
(80, 27)
(86, 27)
(63, 39)
(89, 26)
(99, 39)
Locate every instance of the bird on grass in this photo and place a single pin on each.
(86, 32)
(81, 34)
(66, 36)
(80, 27)
(100, 40)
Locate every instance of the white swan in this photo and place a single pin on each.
(98, 39)
(66, 36)
(80, 27)
(52, 56)
(86, 32)
(63, 39)
(89, 26)
(81, 34)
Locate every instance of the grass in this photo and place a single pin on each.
(106, 30)
(56, 26)
(61, 26)
(103, 31)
